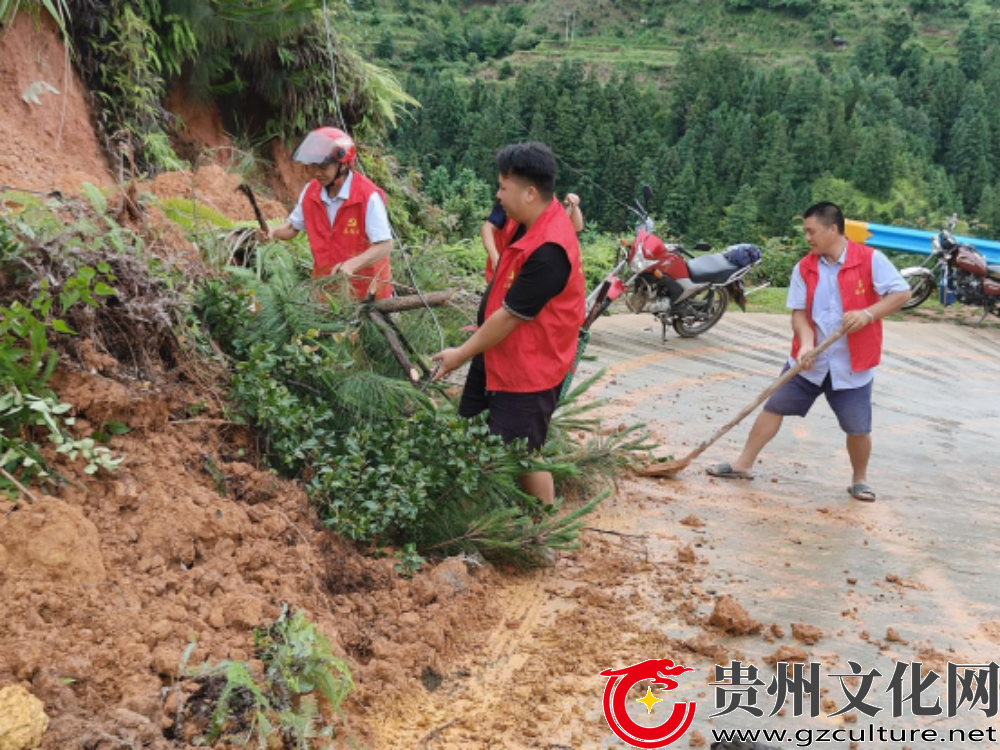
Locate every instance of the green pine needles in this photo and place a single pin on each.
(385, 462)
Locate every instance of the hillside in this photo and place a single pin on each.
(647, 38)
(737, 113)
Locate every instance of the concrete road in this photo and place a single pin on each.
(792, 546)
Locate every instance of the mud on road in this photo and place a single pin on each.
(906, 579)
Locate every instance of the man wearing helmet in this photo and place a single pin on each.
(343, 214)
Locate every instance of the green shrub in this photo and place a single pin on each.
(382, 460)
(386, 480)
(190, 215)
(466, 263)
(600, 254)
(29, 411)
(779, 256)
(295, 697)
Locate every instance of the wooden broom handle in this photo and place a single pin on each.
(785, 377)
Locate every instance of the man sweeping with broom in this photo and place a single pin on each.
(840, 284)
(531, 313)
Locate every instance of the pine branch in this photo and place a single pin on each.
(510, 534)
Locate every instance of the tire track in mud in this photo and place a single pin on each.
(991, 342)
(462, 712)
(534, 680)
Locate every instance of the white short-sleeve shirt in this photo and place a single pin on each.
(376, 217)
(828, 311)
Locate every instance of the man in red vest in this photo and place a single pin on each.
(492, 231)
(838, 282)
(531, 313)
(343, 214)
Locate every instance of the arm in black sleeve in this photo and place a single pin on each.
(543, 276)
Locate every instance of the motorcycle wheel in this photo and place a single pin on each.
(922, 286)
(707, 308)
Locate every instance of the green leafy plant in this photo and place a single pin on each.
(298, 660)
(778, 258)
(241, 699)
(382, 461)
(269, 61)
(408, 560)
(599, 455)
(27, 360)
(389, 481)
(57, 9)
(21, 416)
(190, 215)
(107, 430)
(292, 700)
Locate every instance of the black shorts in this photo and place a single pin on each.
(512, 416)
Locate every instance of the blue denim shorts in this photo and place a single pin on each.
(853, 406)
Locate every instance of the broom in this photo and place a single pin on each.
(669, 468)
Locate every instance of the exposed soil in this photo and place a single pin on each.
(807, 634)
(106, 583)
(50, 144)
(198, 127)
(533, 679)
(730, 617)
(789, 655)
(214, 187)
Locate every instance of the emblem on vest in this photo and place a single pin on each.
(860, 289)
(352, 227)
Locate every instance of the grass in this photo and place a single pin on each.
(932, 311)
(769, 300)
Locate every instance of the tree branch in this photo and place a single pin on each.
(379, 320)
(13, 480)
(413, 301)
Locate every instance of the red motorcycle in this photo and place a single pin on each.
(958, 272)
(653, 277)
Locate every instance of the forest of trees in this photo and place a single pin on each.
(735, 148)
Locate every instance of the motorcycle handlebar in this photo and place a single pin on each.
(946, 241)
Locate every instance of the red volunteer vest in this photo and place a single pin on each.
(538, 354)
(347, 238)
(857, 291)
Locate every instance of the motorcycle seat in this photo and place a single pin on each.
(714, 269)
(993, 272)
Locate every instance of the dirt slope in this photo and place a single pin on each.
(105, 585)
(49, 144)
